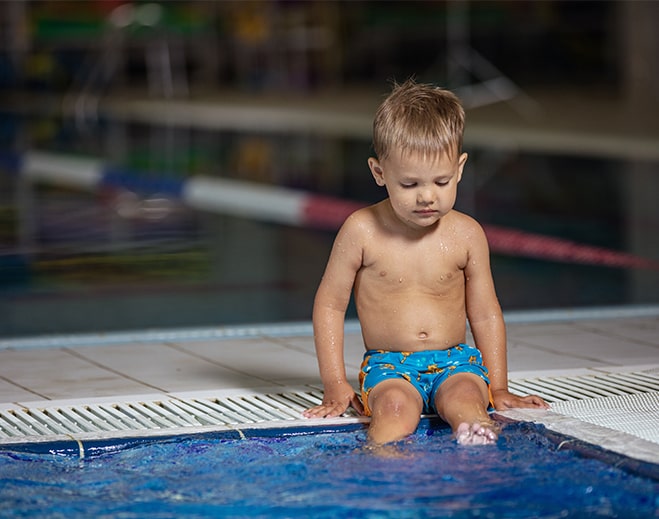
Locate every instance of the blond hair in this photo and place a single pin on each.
(418, 118)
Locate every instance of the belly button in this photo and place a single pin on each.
(423, 335)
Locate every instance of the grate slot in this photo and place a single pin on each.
(184, 419)
(579, 388)
(58, 420)
(158, 413)
(270, 407)
(245, 415)
(251, 409)
(126, 412)
(203, 414)
(237, 413)
(527, 386)
(290, 405)
(11, 426)
(305, 400)
(213, 408)
(25, 419)
(99, 421)
(112, 417)
(618, 386)
(641, 384)
(150, 418)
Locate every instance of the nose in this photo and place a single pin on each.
(425, 196)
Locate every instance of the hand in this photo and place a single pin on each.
(504, 399)
(335, 402)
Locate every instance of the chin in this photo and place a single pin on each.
(423, 223)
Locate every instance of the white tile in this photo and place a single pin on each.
(520, 331)
(560, 372)
(596, 347)
(12, 393)
(639, 330)
(56, 374)
(353, 346)
(525, 357)
(628, 368)
(166, 369)
(260, 359)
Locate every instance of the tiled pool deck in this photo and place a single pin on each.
(49, 371)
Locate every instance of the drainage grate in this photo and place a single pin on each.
(229, 410)
(157, 417)
(584, 387)
(637, 415)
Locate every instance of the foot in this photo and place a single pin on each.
(476, 434)
(384, 450)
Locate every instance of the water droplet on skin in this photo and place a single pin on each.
(400, 280)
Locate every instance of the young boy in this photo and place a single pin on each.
(419, 269)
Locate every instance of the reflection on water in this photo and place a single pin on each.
(119, 259)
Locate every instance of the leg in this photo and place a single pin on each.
(396, 410)
(462, 401)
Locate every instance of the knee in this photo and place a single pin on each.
(461, 390)
(396, 402)
(396, 410)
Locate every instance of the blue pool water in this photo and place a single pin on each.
(324, 475)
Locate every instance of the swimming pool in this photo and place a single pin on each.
(325, 474)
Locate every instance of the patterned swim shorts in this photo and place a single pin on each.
(425, 370)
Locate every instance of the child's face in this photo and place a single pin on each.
(421, 189)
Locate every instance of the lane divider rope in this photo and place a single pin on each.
(281, 205)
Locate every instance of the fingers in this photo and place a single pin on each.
(513, 401)
(530, 402)
(325, 410)
(536, 401)
(332, 409)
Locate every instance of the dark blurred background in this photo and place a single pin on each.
(110, 110)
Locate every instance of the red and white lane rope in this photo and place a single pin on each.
(287, 206)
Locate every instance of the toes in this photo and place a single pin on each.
(475, 434)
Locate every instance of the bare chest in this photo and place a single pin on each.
(428, 269)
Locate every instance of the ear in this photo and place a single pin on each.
(376, 171)
(462, 159)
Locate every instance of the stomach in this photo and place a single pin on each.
(411, 323)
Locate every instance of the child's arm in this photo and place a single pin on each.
(487, 324)
(330, 305)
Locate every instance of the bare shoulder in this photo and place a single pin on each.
(363, 221)
(466, 227)
(354, 234)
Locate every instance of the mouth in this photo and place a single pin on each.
(425, 212)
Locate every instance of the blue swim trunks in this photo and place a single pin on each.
(425, 370)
